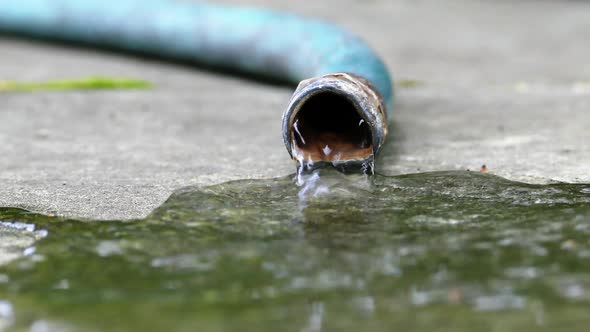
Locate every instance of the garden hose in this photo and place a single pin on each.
(338, 113)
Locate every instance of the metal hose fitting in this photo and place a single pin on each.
(337, 119)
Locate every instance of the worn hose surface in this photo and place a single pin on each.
(256, 41)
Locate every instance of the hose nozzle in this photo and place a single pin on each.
(335, 120)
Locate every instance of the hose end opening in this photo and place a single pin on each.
(335, 120)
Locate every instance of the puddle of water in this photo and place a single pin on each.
(458, 251)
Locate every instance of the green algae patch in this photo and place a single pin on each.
(410, 83)
(443, 251)
(92, 83)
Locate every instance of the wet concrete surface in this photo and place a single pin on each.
(503, 83)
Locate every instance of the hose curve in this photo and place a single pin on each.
(262, 42)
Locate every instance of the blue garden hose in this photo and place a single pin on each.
(344, 81)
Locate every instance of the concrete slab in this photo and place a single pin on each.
(501, 83)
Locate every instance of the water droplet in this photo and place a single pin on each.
(108, 248)
(499, 302)
(316, 318)
(6, 314)
(29, 251)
